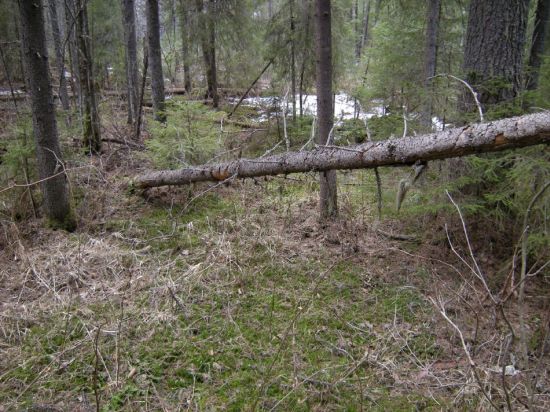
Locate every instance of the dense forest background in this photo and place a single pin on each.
(420, 287)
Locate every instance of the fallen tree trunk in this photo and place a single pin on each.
(477, 138)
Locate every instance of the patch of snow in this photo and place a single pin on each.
(344, 107)
(7, 92)
(438, 125)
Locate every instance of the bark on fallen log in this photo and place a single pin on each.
(477, 138)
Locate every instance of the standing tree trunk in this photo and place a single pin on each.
(207, 33)
(212, 71)
(48, 153)
(130, 39)
(293, 59)
(59, 55)
(184, 24)
(539, 40)
(365, 36)
(90, 114)
(377, 8)
(71, 41)
(357, 30)
(305, 51)
(174, 24)
(430, 56)
(493, 54)
(325, 111)
(155, 59)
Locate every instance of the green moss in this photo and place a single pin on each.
(405, 403)
(388, 303)
(68, 224)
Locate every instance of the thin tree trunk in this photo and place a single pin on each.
(325, 110)
(90, 114)
(207, 33)
(132, 75)
(19, 50)
(142, 91)
(366, 17)
(8, 78)
(357, 30)
(293, 59)
(212, 71)
(538, 43)
(377, 8)
(269, 63)
(174, 18)
(184, 24)
(71, 42)
(496, 136)
(155, 59)
(48, 153)
(305, 54)
(59, 55)
(430, 56)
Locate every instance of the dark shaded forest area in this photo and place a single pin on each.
(274, 205)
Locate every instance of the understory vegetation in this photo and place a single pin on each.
(421, 286)
(233, 296)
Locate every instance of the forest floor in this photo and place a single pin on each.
(235, 297)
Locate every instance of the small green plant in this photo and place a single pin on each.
(191, 136)
(18, 149)
(17, 166)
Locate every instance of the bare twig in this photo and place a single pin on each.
(405, 121)
(441, 309)
(475, 268)
(285, 106)
(312, 137)
(34, 183)
(521, 297)
(470, 88)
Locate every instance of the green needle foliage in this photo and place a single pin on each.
(191, 136)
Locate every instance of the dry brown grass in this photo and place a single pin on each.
(240, 299)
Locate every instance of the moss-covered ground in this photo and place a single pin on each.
(236, 297)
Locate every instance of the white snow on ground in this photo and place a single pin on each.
(8, 92)
(344, 108)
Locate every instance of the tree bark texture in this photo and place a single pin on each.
(495, 136)
(430, 55)
(72, 43)
(293, 59)
(306, 16)
(493, 54)
(325, 110)
(213, 71)
(90, 114)
(207, 33)
(48, 153)
(357, 30)
(59, 55)
(540, 33)
(132, 72)
(365, 35)
(184, 25)
(155, 59)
